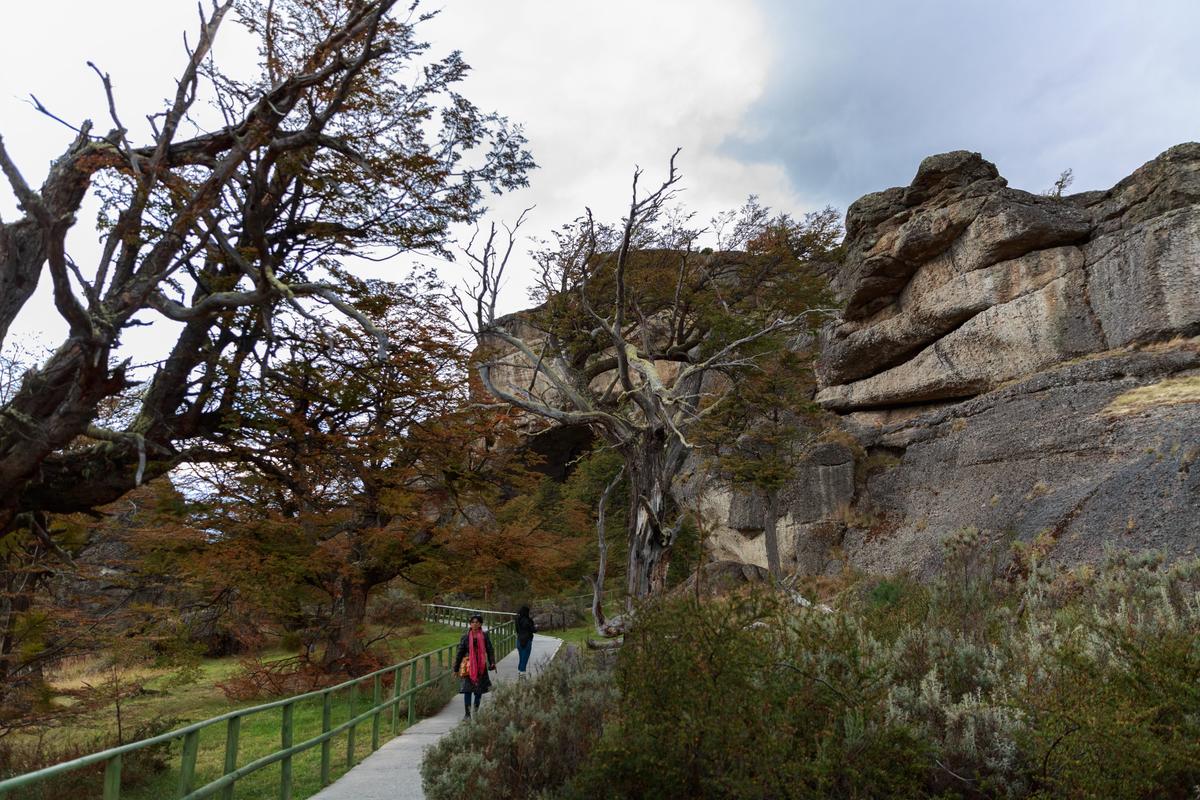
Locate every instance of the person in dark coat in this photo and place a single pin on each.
(476, 647)
(525, 631)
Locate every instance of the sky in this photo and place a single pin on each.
(805, 103)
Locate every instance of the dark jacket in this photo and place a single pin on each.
(525, 630)
(485, 680)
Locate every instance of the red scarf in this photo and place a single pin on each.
(477, 652)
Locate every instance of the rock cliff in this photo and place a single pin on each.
(1019, 365)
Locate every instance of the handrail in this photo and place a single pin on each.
(503, 639)
(485, 614)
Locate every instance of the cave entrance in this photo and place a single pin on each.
(559, 448)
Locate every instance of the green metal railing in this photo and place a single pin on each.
(404, 679)
(459, 616)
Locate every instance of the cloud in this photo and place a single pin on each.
(862, 91)
(604, 87)
(801, 103)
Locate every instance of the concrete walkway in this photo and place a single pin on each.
(393, 772)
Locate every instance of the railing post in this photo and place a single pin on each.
(395, 701)
(112, 778)
(285, 766)
(350, 730)
(377, 699)
(232, 731)
(187, 767)
(326, 745)
(412, 692)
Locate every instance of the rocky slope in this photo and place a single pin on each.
(1017, 365)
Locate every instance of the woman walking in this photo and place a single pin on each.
(525, 631)
(475, 658)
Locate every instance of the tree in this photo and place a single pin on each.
(347, 141)
(340, 469)
(639, 337)
(78, 586)
(597, 581)
(515, 549)
(1065, 179)
(760, 436)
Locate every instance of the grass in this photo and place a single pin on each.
(1169, 392)
(173, 706)
(259, 736)
(577, 636)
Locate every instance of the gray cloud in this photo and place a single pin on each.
(861, 91)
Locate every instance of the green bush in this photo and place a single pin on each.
(716, 704)
(1081, 683)
(528, 740)
(1077, 683)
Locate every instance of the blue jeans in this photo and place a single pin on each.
(523, 652)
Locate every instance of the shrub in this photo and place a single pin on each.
(394, 606)
(528, 740)
(1082, 683)
(720, 700)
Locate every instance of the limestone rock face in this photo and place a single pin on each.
(1090, 455)
(822, 488)
(957, 283)
(1022, 366)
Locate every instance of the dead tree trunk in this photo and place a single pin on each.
(652, 470)
(602, 547)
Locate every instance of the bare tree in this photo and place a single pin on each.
(337, 147)
(638, 337)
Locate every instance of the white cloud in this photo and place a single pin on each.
(602, 87)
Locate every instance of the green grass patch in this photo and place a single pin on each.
(577, 636)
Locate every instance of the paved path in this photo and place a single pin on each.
(393, 772)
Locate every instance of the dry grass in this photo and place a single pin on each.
(1169, 392)
(81, 673)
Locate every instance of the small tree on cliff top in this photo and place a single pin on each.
(640, 337)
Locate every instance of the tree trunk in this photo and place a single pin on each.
(344, 639)
(650, 477)
(53, 406)
(771, 534)
(602, 546)
(24, 244)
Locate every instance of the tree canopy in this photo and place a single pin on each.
(349, 139)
